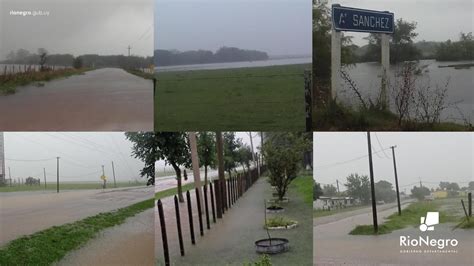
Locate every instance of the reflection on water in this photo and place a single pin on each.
(263, 63)
(367, 76)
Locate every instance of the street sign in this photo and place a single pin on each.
(361, 20)
(103, 177)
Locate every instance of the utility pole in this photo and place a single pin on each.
(253, 153)
(337, 184)
(113, 173)
(195, 163)
(44, 174)
(421, 185)
(129, 50)
(372, 185)
(103, 176)
(396, 179)
(10, 175)
(57, 174)
(220, 168)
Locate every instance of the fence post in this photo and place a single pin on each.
(219, 207)
(163, 233)
(190, 217)
(198, 200)
(212, 203)
(469, 203)
(178, 223)
(229, 193)
(206, 207)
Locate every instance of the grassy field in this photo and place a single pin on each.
(264, 98)
(410, 217)
(69, 186)
(304, 186)
(9, 83)
(51, 245)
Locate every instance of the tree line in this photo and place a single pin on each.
(224, 54)
(42, 57)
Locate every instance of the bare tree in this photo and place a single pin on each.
(43, 55)
(403, 91)
(430, 102)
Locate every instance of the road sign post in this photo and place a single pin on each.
(360, 20)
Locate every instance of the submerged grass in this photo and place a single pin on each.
(9, 83)
(51, 245)
(410, 217)
(67, 186)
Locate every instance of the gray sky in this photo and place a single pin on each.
(244, 136)
(82, 154)
(278, 27)
(433, 157)
(103, 27)
(437, 20)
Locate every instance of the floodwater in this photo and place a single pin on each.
(367, 77)
(131, 243)
(24, 213)
(107, 99)
(262, 63)
(334, 246)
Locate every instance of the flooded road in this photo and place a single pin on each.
(130, 243)
(334, 246)
(24, 213)
(103, 99)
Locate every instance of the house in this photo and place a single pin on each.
(329, 203)
(440, 194)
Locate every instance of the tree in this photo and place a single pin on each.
(244, 156)
(329, 190)
(471, 185)
(358, 187)
(231, 155)
(207, 151)
(420, 192)
(402, 47)
(384, 191)
(455, 51)
(317, 191)
(144, 148)
(77, 64)
(43, 56)
(283, 153)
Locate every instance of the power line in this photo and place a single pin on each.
(347, 161)
(380, 145)
(30, 160)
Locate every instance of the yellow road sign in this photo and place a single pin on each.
(103, 177)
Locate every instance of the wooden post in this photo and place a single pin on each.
(212, 203)
(190, 217)
(372, 185)
(163, 233)
(385, 69)
(198, 201)
(335, 62)
(217, 189)
(469, 203)
(206, 207)
(178, 224)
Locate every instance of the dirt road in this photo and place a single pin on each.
(104, 99)
(334, 246)
(23, 213)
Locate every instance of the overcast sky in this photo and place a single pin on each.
(433, 157)
(78, 27)
(278, 27)
(437, 20)
(82, 155)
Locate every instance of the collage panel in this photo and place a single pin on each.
(232, 65)
(76, 65)
(75, 198)
(223, 198)
(393, 65)
(393, 198)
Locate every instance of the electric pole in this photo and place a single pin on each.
(113, 173)
(44, 174)
(57, 174)
(103, 176)
(129, 50)
(337, 184)
(396, 179)
(372, 185)
(253, 153)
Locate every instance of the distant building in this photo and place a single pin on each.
(440, 194)
(329, 203)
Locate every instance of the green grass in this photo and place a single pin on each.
(173, 191)
(140, 73)
(321, 213)
(51, 245)
(279, 221)
(335, 116)
(465, 224)
(9, 83)
(410, 217)
(263, 98)
(304, 186)
(69, 186)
